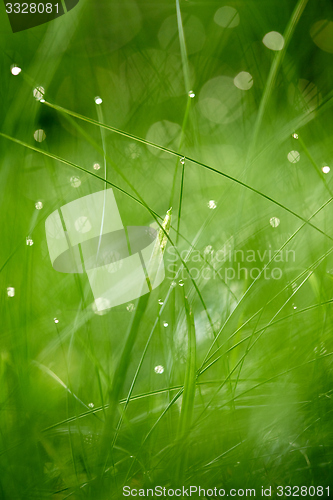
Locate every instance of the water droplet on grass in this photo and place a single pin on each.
(294, 156)
(75, 182)
(15, 70)
(211, 204)
(274, 221)
(39, 93)
(39, 135)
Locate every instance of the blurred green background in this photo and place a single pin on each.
(222, 376)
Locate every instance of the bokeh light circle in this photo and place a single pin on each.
(321, 33)
(166, 134)
(220, 100)
(273, 40)
(227, 17)
(243, 80)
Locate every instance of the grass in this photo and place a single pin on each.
(222, 375)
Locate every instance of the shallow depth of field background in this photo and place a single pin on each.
(228, 380)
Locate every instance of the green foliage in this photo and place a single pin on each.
(221, 376)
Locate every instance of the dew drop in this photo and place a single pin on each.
(165, 324)
(130, 307)
(181, 283)
(56, 320)
(182, 160)
(39, 205)
(75, 182)
(98, 100)
(159, 369)
(294, 156)
(274, 221)
(11, 291)
(39, 93)
(91, 405)
(96, 166)
(15, 70)
(29, 241)
(211, 204)
(295, 136)
(39, 135)
(160, 301)
(191, 94)
(326, 169)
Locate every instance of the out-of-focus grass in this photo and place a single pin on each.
(241, 326)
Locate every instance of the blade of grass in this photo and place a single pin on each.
(117, 385)
(300, 6)
(201, 164)
(255, 280)
(188, 394)
(183, 50)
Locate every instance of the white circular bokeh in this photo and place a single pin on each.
(227, 17)
(294, 156)
(243, 80)
(321, 33)
(273, 40)
(220, 101)
(166, 134)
